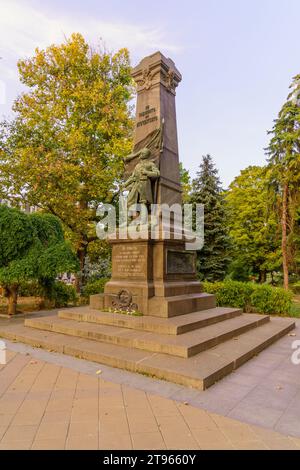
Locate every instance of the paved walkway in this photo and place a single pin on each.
(265, 391)
(46, 405)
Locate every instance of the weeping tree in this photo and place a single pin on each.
(32, 248)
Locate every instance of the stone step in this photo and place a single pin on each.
(185, 345)
(167, 307)
(169, 326)
(200, 371)
(170, 288)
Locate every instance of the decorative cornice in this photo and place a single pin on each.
(156, 69)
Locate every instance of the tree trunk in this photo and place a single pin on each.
(272, 278)
(264, 276)
(80, 279)
(12, 294)
(284, 217)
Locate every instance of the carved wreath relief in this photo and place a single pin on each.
(124, 302)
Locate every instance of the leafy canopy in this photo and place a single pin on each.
(63, 150)
(32, 247)
(253, 225)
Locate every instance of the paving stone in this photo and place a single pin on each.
(197, 418)
(16, 445)
(56, 417)
(109, 424)
(154, 422)
(277, 400)
(235, 432)
(88, 429)
(19, 433)
(33, 418)
(289, 422)
(139, 424)
(281, 444)
(114, 441)
(209, 439)
(52, 430)
(250, 445)
(48, 444)
(147, 441)
(177, 440)
(6, 418)
(81, 443)
(259, 415)
(162, 406)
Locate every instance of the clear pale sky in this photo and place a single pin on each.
(237, 58)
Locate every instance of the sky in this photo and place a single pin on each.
(237, 58)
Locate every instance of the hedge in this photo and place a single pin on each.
(94, 287)
(62, 294)
(251, 297)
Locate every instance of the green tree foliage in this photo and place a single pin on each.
(284, 160)
(213, 259)
(63, 151)
(32, 247)
(186, 184)
(253, 225)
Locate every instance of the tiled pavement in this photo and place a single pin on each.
(264, 392)
(46, 405)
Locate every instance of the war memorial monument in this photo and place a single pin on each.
(178, 333)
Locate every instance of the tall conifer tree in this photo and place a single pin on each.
(213, 259)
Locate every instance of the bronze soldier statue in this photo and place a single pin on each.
(139, 184)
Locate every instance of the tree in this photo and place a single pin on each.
(63, 151)
(206, 189)
(253, 224)
(32, 247)
(186, 184)
(284, 160)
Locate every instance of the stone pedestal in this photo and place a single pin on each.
(153, 273)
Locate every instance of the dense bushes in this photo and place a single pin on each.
(94, 287)
(30, 289)
(296, 288)
(60, 294)
(250, 297)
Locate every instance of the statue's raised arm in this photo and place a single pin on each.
(130, 157)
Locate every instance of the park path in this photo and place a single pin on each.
(45, 405)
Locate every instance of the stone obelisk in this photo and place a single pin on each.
(157, 79)
(152, 276)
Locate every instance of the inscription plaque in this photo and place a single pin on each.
(147, 116)
(129, 261)
(181, 262)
